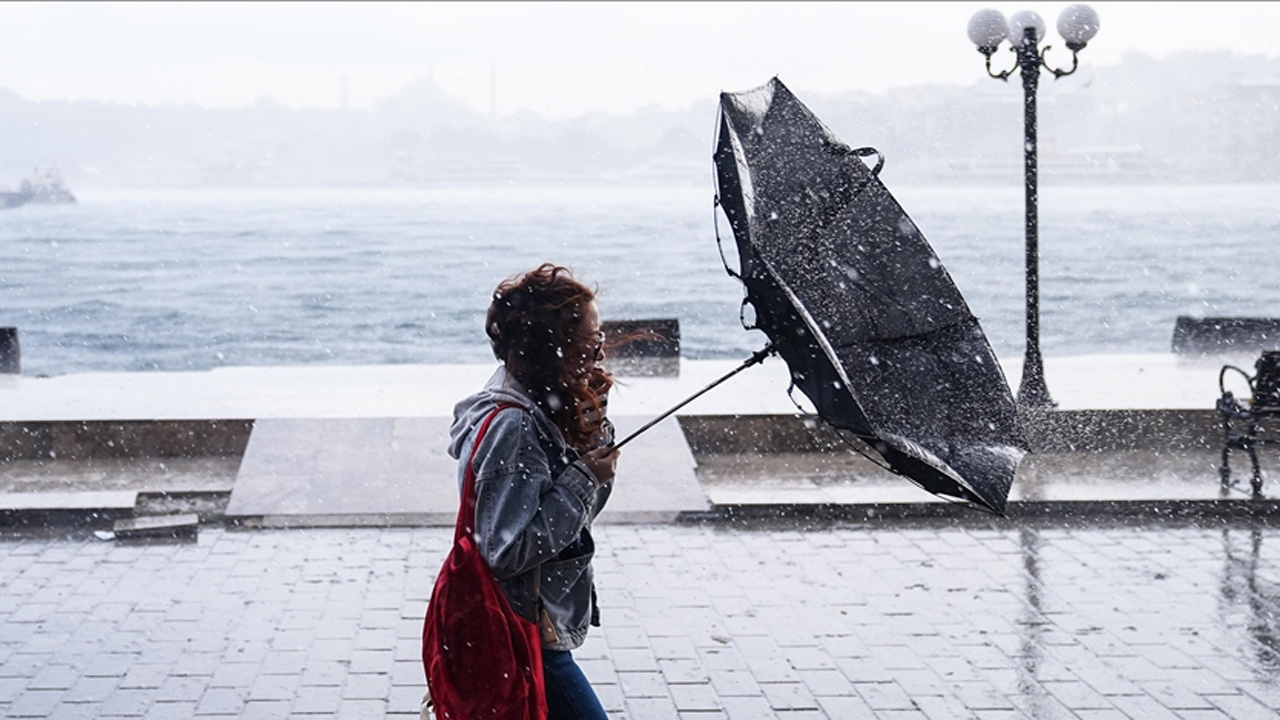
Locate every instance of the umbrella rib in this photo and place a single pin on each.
(917, 336)
(885, 466)
(891, 300)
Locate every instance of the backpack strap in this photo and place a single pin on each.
(467, 510)
(465, 524)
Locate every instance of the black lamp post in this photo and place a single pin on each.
(987, 29)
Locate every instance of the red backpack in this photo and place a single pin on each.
(483, 661)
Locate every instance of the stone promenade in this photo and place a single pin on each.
(903, 620)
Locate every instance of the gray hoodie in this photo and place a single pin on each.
(534, 507)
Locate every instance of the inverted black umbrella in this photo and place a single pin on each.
(850, 294)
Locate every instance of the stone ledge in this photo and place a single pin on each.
(62, 509)
(157, 526)
(1101, 430)
(81, 500)
(1047, 431)
(80, 440)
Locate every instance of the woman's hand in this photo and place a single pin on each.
(602, 462)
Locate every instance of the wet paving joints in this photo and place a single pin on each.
(927, 618)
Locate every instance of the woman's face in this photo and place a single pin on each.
(591, 346)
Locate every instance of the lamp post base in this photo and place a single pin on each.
(1033, 392)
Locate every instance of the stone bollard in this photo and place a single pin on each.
(1225, 335)
(10, 355)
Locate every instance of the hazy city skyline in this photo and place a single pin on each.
(1142, 121)
(556, 60)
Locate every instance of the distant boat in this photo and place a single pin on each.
(46, 188)
(39, 189)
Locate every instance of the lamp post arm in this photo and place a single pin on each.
(1001, 75)
(1075, 64)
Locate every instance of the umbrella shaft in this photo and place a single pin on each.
(755, 359)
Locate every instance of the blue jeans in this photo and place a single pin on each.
(569, 695)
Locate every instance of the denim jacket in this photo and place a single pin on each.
(534, 507)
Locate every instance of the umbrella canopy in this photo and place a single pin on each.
(849, 292)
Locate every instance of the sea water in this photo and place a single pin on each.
(190, 280)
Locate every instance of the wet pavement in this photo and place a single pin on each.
(1126, 584)
(902, 620)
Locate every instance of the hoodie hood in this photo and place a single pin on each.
(501, 389)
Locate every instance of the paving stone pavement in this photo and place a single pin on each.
(897, 621)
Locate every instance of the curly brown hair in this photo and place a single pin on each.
(537, 326)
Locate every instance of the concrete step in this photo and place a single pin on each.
(395, 471)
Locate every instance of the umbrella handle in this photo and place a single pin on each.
(755, 359)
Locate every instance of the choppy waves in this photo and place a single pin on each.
(195, 280)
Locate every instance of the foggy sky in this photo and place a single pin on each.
(557, 60)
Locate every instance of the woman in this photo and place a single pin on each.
(544, 468)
